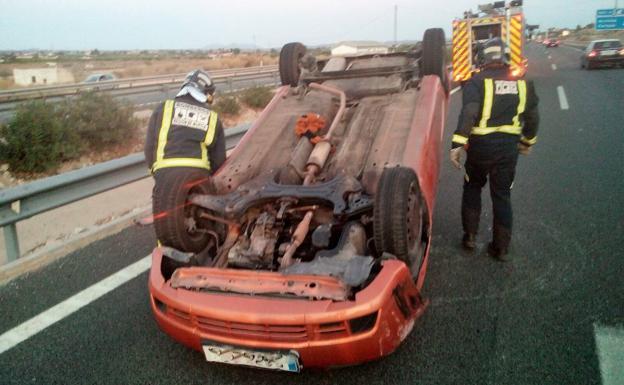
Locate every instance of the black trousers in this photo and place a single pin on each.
(492, 156)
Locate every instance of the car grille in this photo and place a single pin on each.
(261, 332)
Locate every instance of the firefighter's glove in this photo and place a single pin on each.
(523, 149)
(456, 155)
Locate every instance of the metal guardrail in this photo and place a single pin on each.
(575, 44)
(69, 89)
(22, 202)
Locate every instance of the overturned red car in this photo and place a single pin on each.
(309, 246)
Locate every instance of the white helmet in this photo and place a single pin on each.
(199, 85)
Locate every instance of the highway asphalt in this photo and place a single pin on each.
(529, 321)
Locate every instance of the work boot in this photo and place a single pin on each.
(499, 246)
(470, 220)
(469, 242)
(498, 253)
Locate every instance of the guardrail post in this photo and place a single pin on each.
(231, 84)
(11, 243)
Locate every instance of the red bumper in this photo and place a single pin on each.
(324, 333)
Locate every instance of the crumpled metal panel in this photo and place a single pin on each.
(353, 272)
(267, 283)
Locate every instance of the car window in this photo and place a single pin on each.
(91, 79)
(608, 44)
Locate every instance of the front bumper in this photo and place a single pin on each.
(325, 333)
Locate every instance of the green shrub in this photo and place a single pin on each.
(227, 105)
(36, 140)
(257, 97)
(42, 135)
(99, 120)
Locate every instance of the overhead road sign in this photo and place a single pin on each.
(610, 19)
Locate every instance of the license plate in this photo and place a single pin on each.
(266, 359)
(608, 52)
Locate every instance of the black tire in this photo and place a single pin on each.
(171, 210)
(399, 217)
(289, 63)
(433, 60)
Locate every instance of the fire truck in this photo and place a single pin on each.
(497, 19)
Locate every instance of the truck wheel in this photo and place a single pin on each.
(433, 60)
(175, 220)
(289, 63)
(399, 217)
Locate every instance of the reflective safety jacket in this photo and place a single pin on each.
(496, 104)
(184, 133)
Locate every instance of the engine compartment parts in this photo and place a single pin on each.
(311, 126)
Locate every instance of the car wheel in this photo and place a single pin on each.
(399, 217)
(290, 63)
(433, 60)
(175, 220)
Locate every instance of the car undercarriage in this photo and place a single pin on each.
(333, 184)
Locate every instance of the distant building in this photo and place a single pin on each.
(355, 48)
(25, 56)
(42, 76)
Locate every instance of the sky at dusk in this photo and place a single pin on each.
(189, 24)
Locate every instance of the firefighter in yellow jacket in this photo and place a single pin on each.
(185, 144)
(498, 120)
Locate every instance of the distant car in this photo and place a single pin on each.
(552, 43)
(100, 82)
(96, 78)
(607, 52)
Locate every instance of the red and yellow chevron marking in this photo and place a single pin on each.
(515, 42)
(461, 51)
(487, 20)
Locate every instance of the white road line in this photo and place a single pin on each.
(455, 90)
(72, 304)
(610, 349)
(563, 101)
(554, 66)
